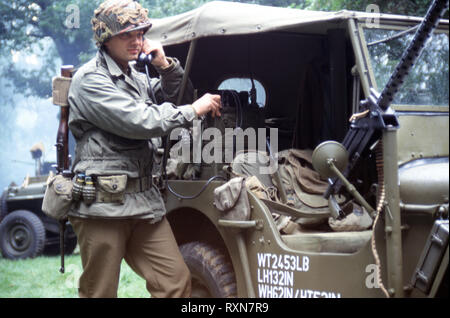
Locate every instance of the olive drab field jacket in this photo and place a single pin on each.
(113, 119)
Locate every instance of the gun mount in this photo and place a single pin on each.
(376, 116)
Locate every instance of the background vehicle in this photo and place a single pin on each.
(312, 71)
(25, 231)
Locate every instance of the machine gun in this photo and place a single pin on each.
(60, 90)
(366, 130)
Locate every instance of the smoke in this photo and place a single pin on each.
(25, 121)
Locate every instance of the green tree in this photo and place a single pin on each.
(165, 8)
(28, 26)
(405, 7)
(60, 29)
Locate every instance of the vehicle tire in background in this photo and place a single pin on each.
(22, 235)
(3, 205)
(70, 243)
(211, 271)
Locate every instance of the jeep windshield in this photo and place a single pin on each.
(427, 83)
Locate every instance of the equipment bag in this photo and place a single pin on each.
(232, 199)
(58, 197)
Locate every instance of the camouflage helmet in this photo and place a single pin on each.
(113, 17)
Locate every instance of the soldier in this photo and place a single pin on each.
(113, 120)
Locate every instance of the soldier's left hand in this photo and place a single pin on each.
(159, 56)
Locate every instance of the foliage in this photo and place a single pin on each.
(406, 7)
(427, 82)
(164, 8)
(26, 26)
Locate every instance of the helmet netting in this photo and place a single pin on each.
(114, 16)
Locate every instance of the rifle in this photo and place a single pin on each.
(367, 130)
(60, 90)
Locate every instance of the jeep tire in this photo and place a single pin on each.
(22, 235)
(3, 205)
(211, 271)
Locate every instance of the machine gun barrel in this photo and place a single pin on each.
(412, 53)
(367, 129)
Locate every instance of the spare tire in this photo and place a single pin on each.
(22, 235)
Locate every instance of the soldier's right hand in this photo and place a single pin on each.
(208, 103)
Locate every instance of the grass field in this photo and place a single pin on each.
(40, 278)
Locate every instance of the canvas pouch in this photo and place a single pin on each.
(57, 197)
(111, 188)
(231, 199)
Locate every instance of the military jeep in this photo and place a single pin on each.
(25, 231)
(315, 77)
(311, 76)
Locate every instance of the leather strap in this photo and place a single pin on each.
(135, 185)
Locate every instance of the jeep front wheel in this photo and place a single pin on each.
(22, 235)
(211, 271)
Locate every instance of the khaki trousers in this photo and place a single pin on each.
(149, 249)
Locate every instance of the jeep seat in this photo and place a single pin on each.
(250, 163)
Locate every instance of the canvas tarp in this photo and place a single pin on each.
(221, 18)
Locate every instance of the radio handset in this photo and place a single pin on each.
(146, 60)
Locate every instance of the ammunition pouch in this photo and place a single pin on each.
(58, 197)
(232, 199)
(112, 189)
